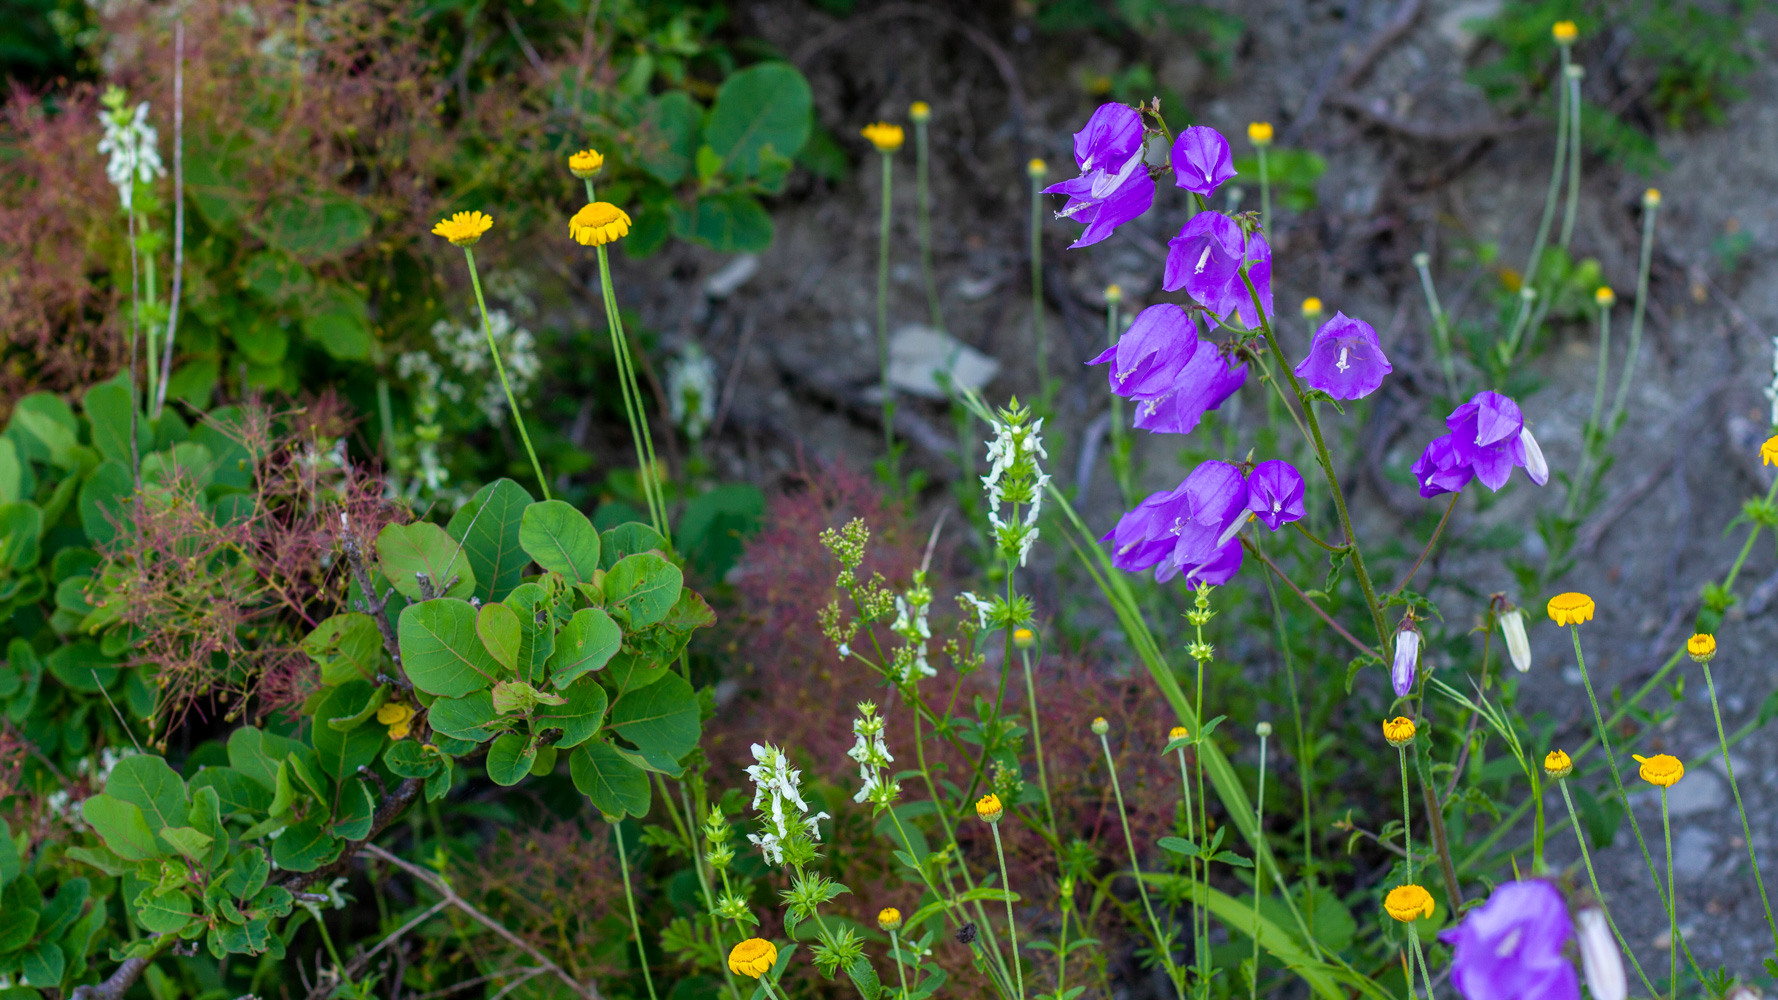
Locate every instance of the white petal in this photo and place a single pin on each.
(1535, 466)
(1512, 625)
(1600, 958)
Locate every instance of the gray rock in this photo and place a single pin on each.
(1694, 849)
(918, 353)
(1701, 791)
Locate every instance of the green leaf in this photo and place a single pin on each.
(343, 753)
(346, 647)
(50, 431)
(407, 759)
(357, 809)
(9, 851)
(498, 628)
(121, 826)
(585, 644)
(727, 223)
(560, 538)
(440, 650)
(408, 551)
(315, 227)
(145, 781)
(43, 966)
(18, 918)
(107, 407)
(627, 539)
(488, 528)
(256, 754)
(510, 758)
(64, 908)
(765, 104)
(615, 786)
(464, 718)
(668, 134)
(248, 874)
(579, 717)
(103, 503)
(187, 841)
(163, 914)
(1179, 845)
(237, 793)
(306, 846)
(660, 719)
(82, 666)
(12, 472)
(21, 528)
(339, 320)
(715, 525)
(642, 588)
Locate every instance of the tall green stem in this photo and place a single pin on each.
(1651, 204)
(1407, 840)
(895, 949)
(512, 404)
(623, 861)
(1746, 831)
(1265, 207)
(1572, 74)
(1012, 929)
(1043, 781)
(1441, 326)
(1594, 441)
(922, 168)
(1259, 822)
(1117, 792)
(883, 315)
(1555, 186)
(1586, 858)
(1037, 319)
(1672, 907)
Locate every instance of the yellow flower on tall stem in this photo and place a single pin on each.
(586, 164)
(598, 224)
(464, 229)
(1571, 608)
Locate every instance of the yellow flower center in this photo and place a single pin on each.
(598, 224)
(1408, 903)
(1571, 608)
(1399, 731)
(752, 958)
(1556, 764)
(1662, 769)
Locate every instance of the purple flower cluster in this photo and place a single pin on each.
(1511, 946)
(1487, 440)
(1190, 531)
(1174, 376)
(1113, 186)
(1205, 259)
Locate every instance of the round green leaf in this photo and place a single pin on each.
(585, 644)
(661, 719)
(578, 717)
(498, 628)
(488, 527)
(763, 105)
(560, 538)
(464, 718)
(614, 785)
(408, 550)
(342, 753)
(642, 588)
(510, 758)
(440, 650)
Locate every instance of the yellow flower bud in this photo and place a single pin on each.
(464, 228)
(1570, 608)
(1036, 168)
(1651, 198)
(1557, 765)
(889, 919)
(1100, 726)
(919, 111)
(586, 163)
(752, 958)
(1178, 733)
(1311, 307)
(1662, 769)
(1259, 133)
(1114, 294)
(1408, 903)
(1023, 638)
(1604, 297)
(1399, 731)
(1564, 32)
(1701, 647)
(886, 137)
(988, 808)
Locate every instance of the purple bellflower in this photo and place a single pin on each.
(1201, 386)
(1113, 186)
(1143, 537)
(1201, 160)
(1275, 493)
(1510, 947)
(1205, 259)
(1344, 360)
(1487, 439)
(1149, 359)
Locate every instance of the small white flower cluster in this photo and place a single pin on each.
(1015, 477)
(131, 143)
(691, 390)
(983, 609)
(466, 346)
(872, 754)
(910, 623)
(430, 386)
(776, 785)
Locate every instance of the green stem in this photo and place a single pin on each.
(1672, 907)
(1120, 447)
(1043, 781)
(1595, 433)
(1259, 809)
(1117, 791)
(1648, 246)
(1420, 957)
(1746, 831)
(1265, 224)
(632, 397)
(883, 315)
(1441, 326)
(1327, 469)
(623, 860)
(894, 938)
(1012, 929)
(1555, 185)
(1191, 861)
(922, 166)
(1572, 85)
(1037, 319)
(1407, 841)
(1587, 858)
(512, 404)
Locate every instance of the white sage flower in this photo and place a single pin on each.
(871, 752)
(777, 787)
(131, 144)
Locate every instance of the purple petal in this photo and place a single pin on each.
(1440, 470)
(1201, 160)
(1217, 570)
(1112, 135)
(1511, 946)
(1201, 387)
(1150, 356)
(1345, 359)
(1275, 493)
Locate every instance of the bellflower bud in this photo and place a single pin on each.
(1518, 647)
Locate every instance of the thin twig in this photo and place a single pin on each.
(438, 885)
(1337, 627)
(1430, 542)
